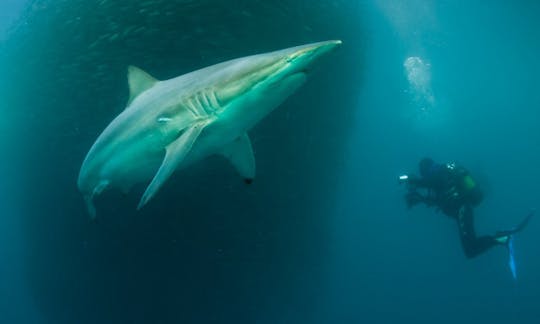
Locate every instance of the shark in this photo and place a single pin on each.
(171, 124)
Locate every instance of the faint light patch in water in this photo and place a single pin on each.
(418, 74)
(415, 21)
(17, 304)
(9, 12)
(426, 112)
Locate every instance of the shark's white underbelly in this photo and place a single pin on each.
(210, 142)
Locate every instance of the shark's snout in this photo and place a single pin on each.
(315, 49)
(301, 58)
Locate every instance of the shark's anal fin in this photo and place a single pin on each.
(175, 154)
(240, 154)
(139, 81)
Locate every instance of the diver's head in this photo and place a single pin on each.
(426, 166)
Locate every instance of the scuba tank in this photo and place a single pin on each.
(464, 187)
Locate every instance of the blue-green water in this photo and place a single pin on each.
(323, 234)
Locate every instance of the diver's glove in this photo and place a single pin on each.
(413, 198)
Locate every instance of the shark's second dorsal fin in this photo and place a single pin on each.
(139, 81)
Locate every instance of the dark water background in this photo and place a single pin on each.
(322, 236)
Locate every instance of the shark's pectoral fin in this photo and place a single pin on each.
(175, 154)
(139, 81)
(240, 153)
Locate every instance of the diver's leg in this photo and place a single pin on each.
(472, 245)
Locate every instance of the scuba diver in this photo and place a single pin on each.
(451, 189)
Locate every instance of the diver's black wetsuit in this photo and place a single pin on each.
(472, 244)
(449, 188)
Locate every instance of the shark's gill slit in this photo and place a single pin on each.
(204, 100)
(214, 101)
(192, 107)
(202, 104)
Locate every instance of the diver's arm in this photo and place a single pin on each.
(417, 182)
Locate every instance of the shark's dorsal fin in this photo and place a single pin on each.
(139, 81)
(240, 153)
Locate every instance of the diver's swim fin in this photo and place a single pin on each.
(509, 234)
(518, 228)
(511, 257)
